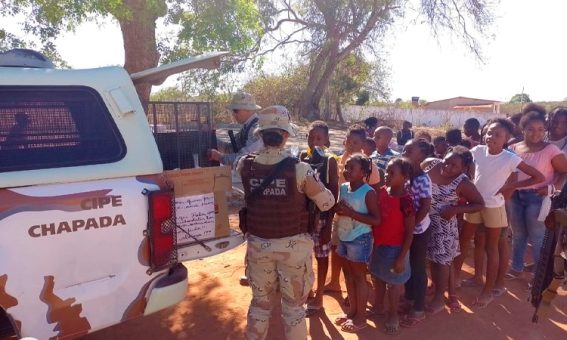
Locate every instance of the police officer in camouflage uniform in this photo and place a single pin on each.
(243, 108)
(279, 245)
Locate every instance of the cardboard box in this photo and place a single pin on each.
(201, 202)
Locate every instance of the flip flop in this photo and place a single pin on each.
(453, 303)
(410, 321)
(497, 292)
(432, 311)
(340, 320)
(470, 283)
(350, 327)
(371, 312)
(482, 304)
(513, 275)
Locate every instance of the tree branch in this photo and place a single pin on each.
(469, 39)
(365, 31)
(283, 42)
(282, 21)
(323, 8)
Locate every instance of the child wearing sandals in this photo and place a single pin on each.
(389, 266)
(450, 181)
(417, 150)
(325, 163)
(493, 166)
(357, 210)
(354, 143)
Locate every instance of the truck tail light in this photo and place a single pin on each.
(161, 229)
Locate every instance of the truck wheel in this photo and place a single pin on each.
(6, 328)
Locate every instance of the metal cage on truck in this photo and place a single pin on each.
(183, 132)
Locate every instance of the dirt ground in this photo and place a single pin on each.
(215, 308)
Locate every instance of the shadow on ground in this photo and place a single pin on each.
(215, 307)
(204, 314)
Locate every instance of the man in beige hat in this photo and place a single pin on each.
(277, 226)
(243, 108)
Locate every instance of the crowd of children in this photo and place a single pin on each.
(399, 213)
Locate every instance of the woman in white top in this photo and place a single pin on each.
(493, 165)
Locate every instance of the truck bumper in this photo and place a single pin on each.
(168, 291)
(193, 251)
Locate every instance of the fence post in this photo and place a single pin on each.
(177, 135)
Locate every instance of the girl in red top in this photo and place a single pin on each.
(389, 264)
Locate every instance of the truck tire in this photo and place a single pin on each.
(6, 328)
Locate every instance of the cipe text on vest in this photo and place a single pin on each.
(276, 188)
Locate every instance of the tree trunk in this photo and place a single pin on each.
(339, 111)
(139, 34)
(316, 86)
(326, 77)
(309, 108)
(328, 110)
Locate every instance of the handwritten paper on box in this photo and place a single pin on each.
(196, 184)
(196, 215)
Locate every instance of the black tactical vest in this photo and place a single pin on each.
(280, 210)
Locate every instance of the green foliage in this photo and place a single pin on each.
(170, 94)
(326, 33)
(283, 89)
(329, 22)
(199, 25)
(9, 41)
(219, 25)
(380, 103)
(329, 31)
(363, 98)
(349, 84)
(228, 25)
(403, 104)
(45, 20)
(520, 98)
(512, 108)
(351, 74)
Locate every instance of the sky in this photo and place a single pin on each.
(527, 52)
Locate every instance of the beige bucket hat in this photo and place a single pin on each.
(243, 101)
(275, 117)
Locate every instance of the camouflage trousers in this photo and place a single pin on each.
(284, 263)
